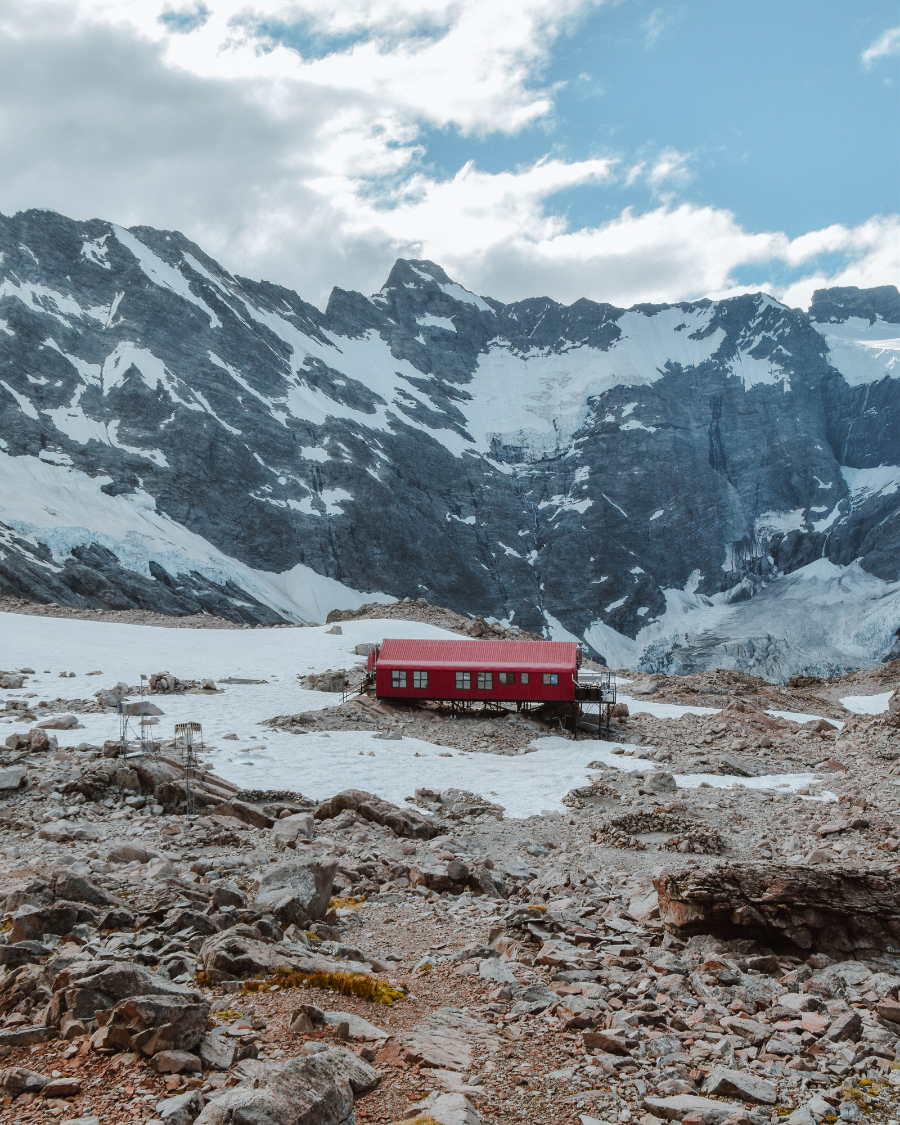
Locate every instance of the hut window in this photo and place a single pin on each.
(463, 681)
(507, 677)
(485, 681)
(420, 679)
(523, 678)
(398, 679)
(551, 677)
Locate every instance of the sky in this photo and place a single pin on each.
(622, 150)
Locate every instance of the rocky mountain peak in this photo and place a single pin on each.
(836, 305)
(674, 484)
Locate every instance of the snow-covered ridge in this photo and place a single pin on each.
(62, 508)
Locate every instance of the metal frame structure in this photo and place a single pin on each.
(191, 747)
(147, 745)
(594, 689)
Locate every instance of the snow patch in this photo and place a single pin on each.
(863, 352)
(824, 524)
(459, 294)
(23, 403)
(429, 321)
(866, 483)
(868, 704)
(769, 524)
(162, 274)
(96, 252)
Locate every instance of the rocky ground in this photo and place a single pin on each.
(656, 952)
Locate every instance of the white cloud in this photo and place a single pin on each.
(886, 44)
(670, 167)
(305, 168)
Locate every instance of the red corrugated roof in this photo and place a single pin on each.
(497, 656)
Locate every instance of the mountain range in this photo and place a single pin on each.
(708, 483)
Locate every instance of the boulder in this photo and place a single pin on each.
(889, 1010)
(26, 1036)
(740, 1084)
(612, 1041)
(117, 919)
(16, 1080)
(22, 953)
(162, 1023)
(240, 952)
(447, 1109)
(217, 1052)
(39, 740)
(143, 707)
(659, 781)
(846, 1028)
(357, 1027)
(85, 987)
(111, 697)
(76, 888)
(435, 875)
(128, 853)
(228, 894)
(245, 812)
(316, 1088)
(60, 722)
(13, 777)
(62, 1088)
(843, 912)
(402, 822)
(496, 969)
(191, 920)
(289, 829)
(484, 881)
(298, 890)
(448, 1039)
(30, 923)
(175, 1062)
(182, 1109)
(677, 1106)
(61, 831)
(36, 893)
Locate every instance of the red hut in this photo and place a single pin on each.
(466, 672)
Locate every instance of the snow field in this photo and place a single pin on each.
(317, 764)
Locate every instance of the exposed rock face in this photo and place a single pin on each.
(549, 464)
(831, 910)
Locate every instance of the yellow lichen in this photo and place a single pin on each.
(347, 984)
(347, 902)
(356, 984)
